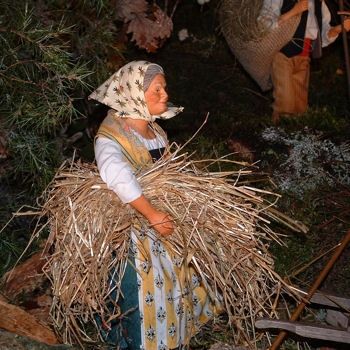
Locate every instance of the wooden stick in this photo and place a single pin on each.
(308, 330)
(278, 341)
(345, 44)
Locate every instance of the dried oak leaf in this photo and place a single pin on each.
(149, 33)
(128, 9)
(163, 24)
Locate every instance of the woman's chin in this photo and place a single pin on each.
(161, 110)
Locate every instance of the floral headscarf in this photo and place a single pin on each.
(123, 92)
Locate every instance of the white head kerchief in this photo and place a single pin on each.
(123, 92)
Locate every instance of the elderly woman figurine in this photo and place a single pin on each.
(161, 307)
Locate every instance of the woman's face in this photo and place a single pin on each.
(156, 97)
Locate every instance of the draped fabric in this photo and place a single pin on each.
(290, 78)
(171, 302)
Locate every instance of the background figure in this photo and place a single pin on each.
(291, 66)
(163, 299)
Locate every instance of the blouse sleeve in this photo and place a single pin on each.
(115, 171)
(270, 13)
(326, 26)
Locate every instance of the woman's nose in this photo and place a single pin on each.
(164, 94)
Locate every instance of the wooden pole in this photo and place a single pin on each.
(345, 45)
(278, 341)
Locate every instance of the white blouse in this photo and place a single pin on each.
(271, 12)
(116, 171)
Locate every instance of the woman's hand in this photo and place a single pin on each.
(160, 221)
(336, 30)
(346, 24)
(300, 7)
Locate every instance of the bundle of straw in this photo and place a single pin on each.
(251, 39)
(222, 229)
(243, 18)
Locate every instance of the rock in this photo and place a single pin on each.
(12, 341)
(225, 346)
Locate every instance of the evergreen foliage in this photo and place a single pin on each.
(51, 55)
(51, 52)
(39, 82)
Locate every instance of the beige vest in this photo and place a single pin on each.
(115, 129)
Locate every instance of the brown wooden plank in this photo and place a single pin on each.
(16, 320)
(331, 300)
(306, 330)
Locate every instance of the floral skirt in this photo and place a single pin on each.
(163, 300)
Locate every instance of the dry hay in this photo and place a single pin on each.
(222, 228)
(243, 18)
(252, 41)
